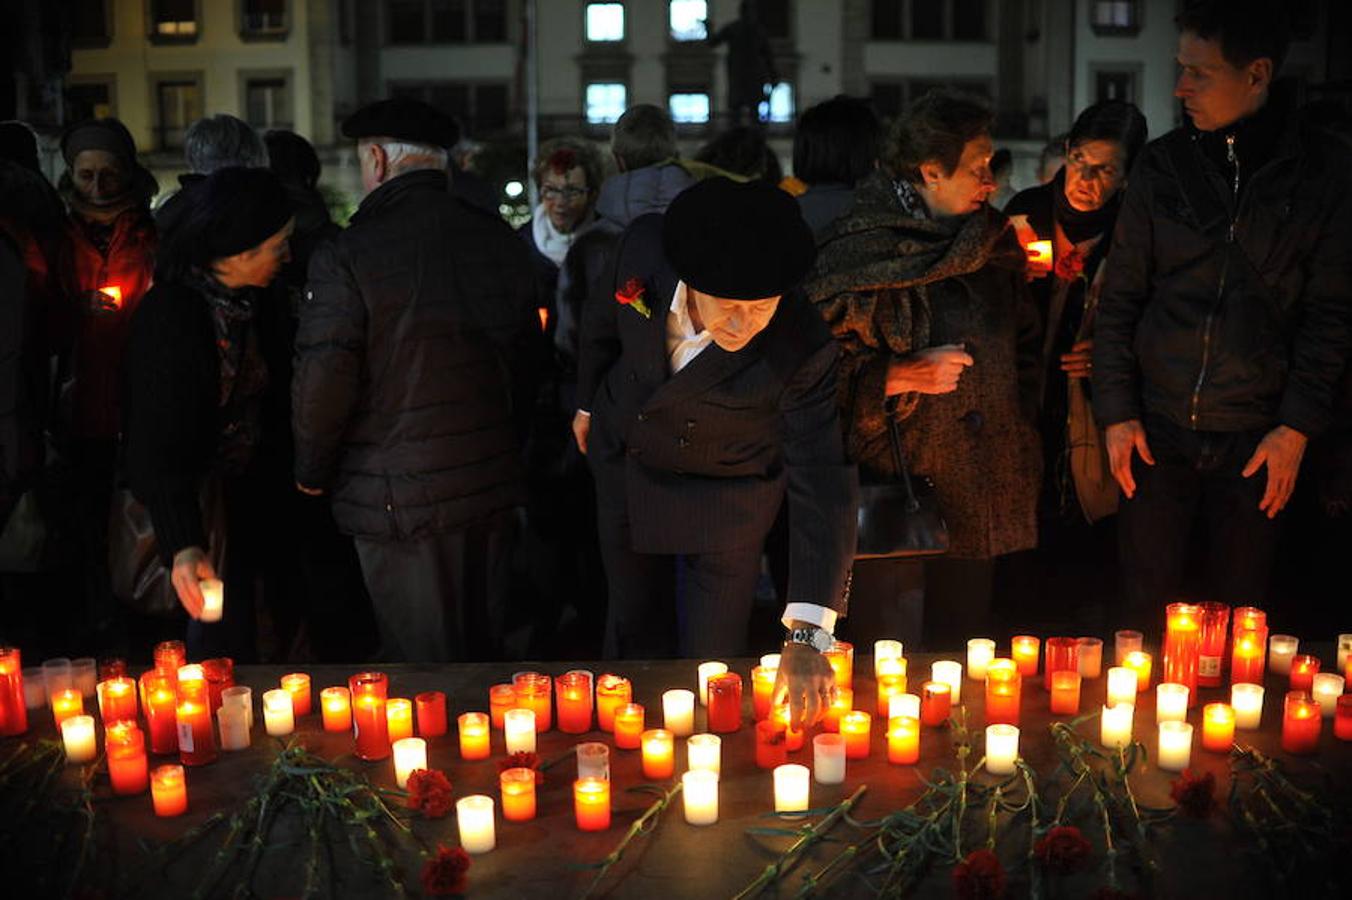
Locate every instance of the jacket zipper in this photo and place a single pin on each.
(1220, 290)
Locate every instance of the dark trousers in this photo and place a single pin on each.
(932, 604)
(1195, 481)
(442, 598)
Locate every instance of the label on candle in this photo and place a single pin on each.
(185, 737)
(1209, 666)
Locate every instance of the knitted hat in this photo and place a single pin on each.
(737, 241)
(108, 135)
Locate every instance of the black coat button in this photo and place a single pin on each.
(973, 420)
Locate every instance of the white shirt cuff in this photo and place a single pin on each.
(585, 412)
(822, 616)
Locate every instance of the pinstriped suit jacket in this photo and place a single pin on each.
(700, 461)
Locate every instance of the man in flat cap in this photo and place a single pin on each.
(417, 331)
(707, 389)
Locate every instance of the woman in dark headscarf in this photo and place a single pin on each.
(923, 285)
(195, 382)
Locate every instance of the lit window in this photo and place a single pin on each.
(686, 18)
(1115, 13)
(605, 21)
(780, 106)
(605, 103)
(688, 108)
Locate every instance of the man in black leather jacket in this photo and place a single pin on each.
(1226, 316)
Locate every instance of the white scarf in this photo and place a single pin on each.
(549, 240)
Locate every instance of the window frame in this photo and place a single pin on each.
(1130, 30)
(587, 41)
(157, 82)
(288, 79)
(603, 80)
(156, 37)
(470, 120)
(1135, 70)
(949, 29)
(471, 38)
(674, 41)
(277, 34)
(108, 80)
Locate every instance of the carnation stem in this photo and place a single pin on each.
(640, 824)
(810, 836)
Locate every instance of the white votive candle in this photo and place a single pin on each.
(792, 784)
(1124, 642)
(409, 753)
(1247, 700)
(474, 815)
(704, 751)
(678, 712)
(518, 727)
(886, 649)
(903, 705)
(1002, 749)
(34, 688)
(1090, 657)
(828, 758)
(700, 787)
(1171, 702)
(84, 676)
(950, 673)
(1115, 730)
(1121, 686)
(770, 660)
(233, 722)
(213, 599)
(278, 717)
(77, 733)
(1281, 648)
(1175, 747)
(241, 696)
(980, 652)
(593, 760)
(1328, 687)
(1344, 650)
(56, 675)
(706, 671)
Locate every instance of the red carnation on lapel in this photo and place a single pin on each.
(631, 295)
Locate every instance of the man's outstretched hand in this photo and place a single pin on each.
(806, 682)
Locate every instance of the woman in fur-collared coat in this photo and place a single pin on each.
(922, 282)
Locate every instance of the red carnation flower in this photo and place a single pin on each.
(446, 873)
(1195, 794)
(979, 877)
(1070, 265)
(429, 792)
(632, 290)
(1063, 850)
(522, 760)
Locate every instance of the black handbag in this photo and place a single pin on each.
(899, 519)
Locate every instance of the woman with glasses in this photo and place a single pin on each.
(568, 173)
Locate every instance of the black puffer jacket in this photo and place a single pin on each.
(414, 361)
(1244, 321)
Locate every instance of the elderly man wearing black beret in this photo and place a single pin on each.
(417, 331)
(707, 391)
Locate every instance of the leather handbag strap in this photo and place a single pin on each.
(898, 456)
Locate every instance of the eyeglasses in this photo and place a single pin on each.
(569, 193)
(1105, 172)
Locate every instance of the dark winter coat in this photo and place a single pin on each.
(414, 361)
(889, 284)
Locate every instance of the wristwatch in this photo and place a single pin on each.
(818, 639)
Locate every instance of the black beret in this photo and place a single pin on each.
(737, 241)
(405, 120)
(233, 210)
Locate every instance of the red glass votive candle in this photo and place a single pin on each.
(1063, 655)
(220, 674)
(1342, 718)
(13, 709)
(841, 657)
(1301, 723)
(533, 692)
(336, 707)
(1303, 669)
(431, 707)
(169, 791)
(112, 667)
(793, 739)
(612, 692)
(574, 698)
(1182, 647)
(128, 768)
(629, 726)
(936, 702)
(501, 697)
(170, 656)
(1248, 656)
(1004, 692)
(1215, 626)
(1024, 650)
(856, 727)
(474, 735)
(591, 803)
(771, 744)
(369, 691)
(762, 691)
(725, 703)
(297, 684)
(843, 703)
(196, 740)
(1065, 700)
(157, 693)
(903, 740)
(117, 700)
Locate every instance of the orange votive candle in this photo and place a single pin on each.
(889, 686)
(591, 803)
(936, 702)
(1139, 662)
(841, 657)
(855, 727)
(1182, 652)
(1218, 727)
(533, 690)
(574, 697)
(431, 713)
(903, 740)
(1065, 699)
(1248, 655)
(169, 791)
(843, 703)
(1301, 723)
(1342, 718)
(128, 768)
(1004, 692)
(659, 754)
(771, 744)
(518, 793)
(1063, 654)
(612, 692)
(336, 705)
(117, 699)
(1024, 650)
(196, 739)
(369, 720)
(66, 703)
(157, 694)
(474, 735)
(501, 697)
(13, 706)
(399, 718)
(793, 739)
(629, 726)
(762, 690)
(297, 684)
(1303, 669)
